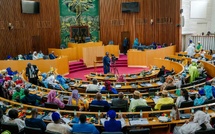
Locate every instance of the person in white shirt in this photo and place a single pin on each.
(94, 86)
(3, 118)
(35, 55)
(136, 101)
(13, 118)
(184, 97)
(191, 50)
(58, 125)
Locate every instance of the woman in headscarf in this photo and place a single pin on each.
(193, 71)
(121, 78)
(168, 83)
(184, 97)
(109, 88)
(199, 121)
(76, 100)
(53, 99)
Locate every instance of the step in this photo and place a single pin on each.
(76, 63)
(78, 69)
(77, 66)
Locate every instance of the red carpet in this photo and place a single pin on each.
(122, 70)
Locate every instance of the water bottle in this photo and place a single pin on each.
(75, 114)
(99, 114)
(206, 109)
(192, 111)
(141, 114)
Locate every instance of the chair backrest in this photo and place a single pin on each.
(208, 131)
(154, 89)
(31, 130)
(13, 128)
(70, 107)
(186, 85)
(166, 106)
(96, 108)
(117, 109)
(50, 132)
(112, 133)
(170, 87)
(51, 105)
(209, 101)
(91, 91)
(187, 104)
(139, 131)
(143, 108)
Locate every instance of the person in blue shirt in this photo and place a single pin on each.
(101, 102)
(125, 45)
(106, 63)
(31, 99)
(84, 127)
(136, 43)
(112, 125)
(208, 90)
(35, 122)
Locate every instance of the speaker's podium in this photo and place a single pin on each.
(99, 59)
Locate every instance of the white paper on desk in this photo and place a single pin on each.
(159, 83)
(66, 120)
(155, 99)
(141, 121)
(148, 84)
(84, 85)
(118, 86)
(104, 119)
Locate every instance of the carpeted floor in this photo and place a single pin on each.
(122, 70)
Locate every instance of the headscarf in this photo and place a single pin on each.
(74, 96)
(111, 114)
(108, 85)
(51, 96)
(55, 116)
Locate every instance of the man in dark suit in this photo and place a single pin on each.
(120, 102)
(52, 55)
(31, 73)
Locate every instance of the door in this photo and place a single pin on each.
(123, 35)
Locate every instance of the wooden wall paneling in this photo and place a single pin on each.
(31, 31)
(164, 13)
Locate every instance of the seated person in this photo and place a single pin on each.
(199, 100)
(161, 72)
(62, 82)
(18, 94)
(120, 102)
(208, 90)
(3, 118)
(35, 57)
(163, 100)
(136, 101)
(31, 99)
(20, 57)
(34, 121)
(121, 78)
(13, 118)
(183, 78)
(199, 121)
(58, 125)
(199, 47)
(94, 86)
(75, 100)
(101, 102)
(52, 55)
(136, 44)
(109, 88)
(84, 127)
(193, 71)
(168, 83)
(52, 98)
(184, 97)
(113, 125)
(40, 55)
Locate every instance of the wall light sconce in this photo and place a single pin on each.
(151, 21)
(10, 26)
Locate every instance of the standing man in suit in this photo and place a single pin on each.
(125, 45)
(106, 63)
(31, 73)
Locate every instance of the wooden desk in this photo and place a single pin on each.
(138, 58)
(71, 53)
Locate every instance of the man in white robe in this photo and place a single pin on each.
(200, 120)
(191, 50)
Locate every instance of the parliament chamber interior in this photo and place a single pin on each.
(107, 67)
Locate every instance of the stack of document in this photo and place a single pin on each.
(140, 121)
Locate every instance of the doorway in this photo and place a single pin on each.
(123, 35)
